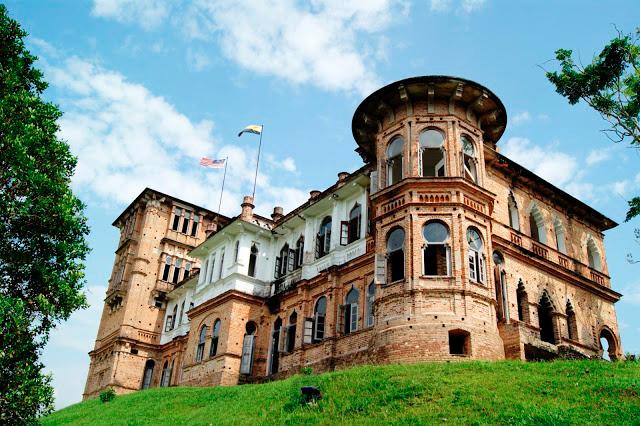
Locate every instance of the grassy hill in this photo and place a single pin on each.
(553, 393)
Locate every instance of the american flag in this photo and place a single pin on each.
(214, 164)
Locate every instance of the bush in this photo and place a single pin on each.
(307, 371)
(107, 395)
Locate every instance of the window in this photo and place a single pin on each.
(299, 252)
(176, 271)
(523, 303)
(395, 255)
(432, 153)
(284, 262)
(185, 221)
(175, 314)
(253, 259)
(371, 297)
(246, 359)
(167, 323)
(167, 268)
(194, 227)
(274, 361)
(148, 374)
(215, 335)
(181, 312)
(514, 217)
(221, 264)
(558, 229)
(469, 160)
(212, 266)
(235, 251)
(545, 316)
(291, 332)
(459, 342)
(323, 239)
(187, 270)
(394, 161)
(353, 225)
(500, 279)
(350, 311)
(320, 312)
(200, 347)
(536, 225)
(176, 218)
(436, 255)
(476, 257)
(164, 380)
(593, 255)
(572, 323)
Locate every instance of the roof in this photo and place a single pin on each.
(155, 193)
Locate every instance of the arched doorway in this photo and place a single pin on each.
(608, 344)
(275, 346)
(545, 316)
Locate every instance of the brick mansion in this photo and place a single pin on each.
(438, 248)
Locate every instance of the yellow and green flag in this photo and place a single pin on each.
(256, 129)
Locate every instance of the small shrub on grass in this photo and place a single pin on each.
(307, 371)
(107, 395)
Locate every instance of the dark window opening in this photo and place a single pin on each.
(459, 342)
(201, 341)
(148, 374)
(185, 221)
(355, 218)
(395, 255)
(394, 161)
(176, 219)
(167, 268)
(323, 239)
(214, 338)
(545, 316)
(194, 227)
(320, 312)
(253, 259)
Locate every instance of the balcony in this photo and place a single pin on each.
(285, 283)
(539, 250)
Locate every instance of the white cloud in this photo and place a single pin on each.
(324, 43)
(631, 294)
(521, 117)
(619, 187)
(197, 60)
(440, 5)
(127, 138)
(471, 5)
(597, 156)
(43, 46)
(465, 6)
(556, 167)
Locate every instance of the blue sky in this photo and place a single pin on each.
(149, 85)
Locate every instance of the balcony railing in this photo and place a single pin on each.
(283, 284)
(539, 250)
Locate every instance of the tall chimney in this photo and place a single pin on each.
(314, 194)
(247, 208)
(278, 213)
(342, 176)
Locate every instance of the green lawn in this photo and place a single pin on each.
(552, 393)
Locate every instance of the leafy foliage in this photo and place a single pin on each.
(610, 84)
(43, 230)
(107, 395)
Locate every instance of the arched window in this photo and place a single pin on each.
(394, 161)
(148, 373)
(319, 315)
(173, 317)
(284, 262)
(355, 217)
(246, 359)
(500, 279)
(476, 256)
(323, 239)
(432, 153)
(545, 316)
(253, 260)
(558, 229)
(215, 336)
(371, 297)
(350, 311)
(164, 378)
(235, 251)
(436, 255)
(181, 312)
(572, 323)
(608, 344)
(523, 303)
(395, 255)
(469, 159)
(274, 363)
(593, 255)
(200, 347)
(536, 225)
(299, 252)
(514, 216)
(291, 332)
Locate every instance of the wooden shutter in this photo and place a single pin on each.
(353, 317)
(380, 269)
(246, 362)
(282, 338)
(167, 326)
(373, 182)
(327, 241)
(481, 274)
(472, 266)
(308, 331)
(344, 233)
(319, 327)
(318, 246)
(276, 272)
(292, 260)
(340, 322)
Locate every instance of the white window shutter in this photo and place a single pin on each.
(344, 233)
(472, 266)
(481, 269)
(380, 269)
(308, 331)
(354, 317)
(283, 337)
(373, 182)
(246, 361)
(340, 322)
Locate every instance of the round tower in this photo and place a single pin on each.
(425, 138)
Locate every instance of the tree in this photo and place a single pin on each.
(610, 84)
(42, 230)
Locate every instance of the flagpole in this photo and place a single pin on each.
(255, 179)
(226, 162)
